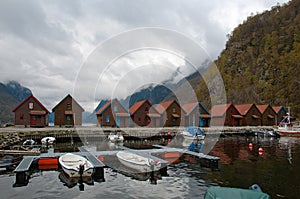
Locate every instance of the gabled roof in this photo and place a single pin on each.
(35, 99)
(73, 101)
(207, 112)
(163, 106)
(188, 108)
(108, 104)
(104, 107)
(100, 105)
(263, 108)
(219, 109)
(243, 109)
(137, 105)
(278, 108)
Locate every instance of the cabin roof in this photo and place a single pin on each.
(219, 109)
(243, 109)
(188, 108)
(104, 107)
(262, 108)
(163, 106)
(278, 108)
(137, 105)
(73, 101)
(108, 104)
(35, 99)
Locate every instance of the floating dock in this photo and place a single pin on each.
(102, 159)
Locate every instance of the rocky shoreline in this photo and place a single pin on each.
(14, 135)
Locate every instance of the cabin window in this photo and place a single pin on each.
(107, 119)
(68, 106)
(140, 119)
(115, 108)
(146, 110)
(174, 110)
(30, 105)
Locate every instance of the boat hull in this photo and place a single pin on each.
(137, 162)
(70, 164)
(289, 133)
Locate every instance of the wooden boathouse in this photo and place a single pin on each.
(31, 112)
(225, 115)
(144, 114)
(281, 112)
(170, 113)
(196, 115)
(268, 115)
(251, 114)
(68, 112)
(112, 114)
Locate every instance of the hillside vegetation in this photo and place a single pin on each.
(261, 61)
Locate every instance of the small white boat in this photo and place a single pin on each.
(193, 132)
(28, 142)
(73, 164)
(48, 140)
(138, 163)
(286, 128)
(115, 137)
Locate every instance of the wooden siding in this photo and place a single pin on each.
(266, 119)
(172, 115)
(31, 112)
(227, 119)
(68, 112)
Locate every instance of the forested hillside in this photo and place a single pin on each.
(261, 61)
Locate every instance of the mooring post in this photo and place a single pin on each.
(22, 179)
(99, 174)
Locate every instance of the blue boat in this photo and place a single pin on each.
(193, 132)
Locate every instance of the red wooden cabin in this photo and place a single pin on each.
(31, 112)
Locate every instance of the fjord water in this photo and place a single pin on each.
(276, 170)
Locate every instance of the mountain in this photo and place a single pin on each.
(11, 94)
(260, 63)
(165, 91)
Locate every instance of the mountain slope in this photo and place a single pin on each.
(11, 94)
(260, 63)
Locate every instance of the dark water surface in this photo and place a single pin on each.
(276, 170)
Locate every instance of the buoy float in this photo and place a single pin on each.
(260, 151)
(250, 146)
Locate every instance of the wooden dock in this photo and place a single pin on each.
(23, 170)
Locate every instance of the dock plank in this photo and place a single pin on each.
(25, 164)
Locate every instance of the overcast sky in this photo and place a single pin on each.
(100, 49)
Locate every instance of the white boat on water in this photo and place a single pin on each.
(28, 142)
(74, 165)
(115, 137)
(193, 132)
(48, 140)
(285, 128)
(137, 162)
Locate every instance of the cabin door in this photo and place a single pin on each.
(68, 120)
(32, 120)
(118, 121)
(201, 122)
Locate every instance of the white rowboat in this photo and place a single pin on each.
(71, 164)
(139, 163)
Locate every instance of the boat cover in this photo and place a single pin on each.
(236, 193)
(194, 130)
